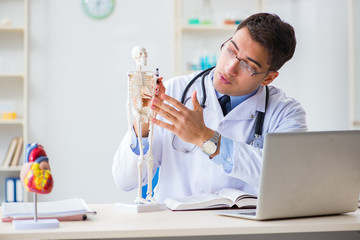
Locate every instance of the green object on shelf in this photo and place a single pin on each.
(207, 22)
(194, 21)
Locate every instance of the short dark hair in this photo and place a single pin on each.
(277, 36)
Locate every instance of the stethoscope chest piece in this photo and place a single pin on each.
(258, 142)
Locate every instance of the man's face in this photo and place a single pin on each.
(230, 78)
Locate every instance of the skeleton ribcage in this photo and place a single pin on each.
(141, 85)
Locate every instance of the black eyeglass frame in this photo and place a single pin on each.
(243, 64)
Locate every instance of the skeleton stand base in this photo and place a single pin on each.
(140, 207)
(35, 223)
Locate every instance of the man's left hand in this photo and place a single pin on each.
(187, 124)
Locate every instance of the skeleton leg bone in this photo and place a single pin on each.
(150, 166)
(139, 198)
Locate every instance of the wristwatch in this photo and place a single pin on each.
(210, 146)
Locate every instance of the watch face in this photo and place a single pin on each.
(209, 147)
(98, 8)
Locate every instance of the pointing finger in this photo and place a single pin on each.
(195, 101)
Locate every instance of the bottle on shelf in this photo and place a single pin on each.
(207, 13)
(202, 62)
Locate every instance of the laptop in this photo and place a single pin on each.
(307, 174)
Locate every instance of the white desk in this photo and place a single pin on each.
(113, 223)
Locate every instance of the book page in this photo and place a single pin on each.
(201, 201)
(235, 195)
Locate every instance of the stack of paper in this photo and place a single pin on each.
(64, 210)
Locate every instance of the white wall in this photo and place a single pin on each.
(78, 67)
(318, 74)
(77, 90)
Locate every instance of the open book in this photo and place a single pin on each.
(63, 210)
(227, 198)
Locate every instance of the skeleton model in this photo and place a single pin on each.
(141, 85)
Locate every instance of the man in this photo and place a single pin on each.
(206, 149)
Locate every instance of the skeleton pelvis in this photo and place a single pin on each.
(144, 114)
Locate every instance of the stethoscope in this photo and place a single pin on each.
(257, 142)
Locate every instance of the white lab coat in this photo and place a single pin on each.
(183, 174)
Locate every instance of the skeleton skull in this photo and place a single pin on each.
(139, 54)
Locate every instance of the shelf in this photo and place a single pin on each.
(11, 75)
(208, 28)
(14, 48)
(11, 121)
(10, 169)
(12, 29)
(193, 42)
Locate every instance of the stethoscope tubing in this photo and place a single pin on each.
(203, 74)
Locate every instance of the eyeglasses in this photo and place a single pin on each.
(226, 48)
